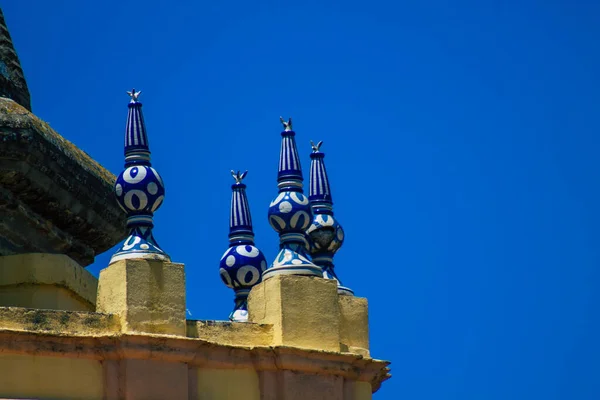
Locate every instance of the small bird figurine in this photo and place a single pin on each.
(237, 176)
(134, 95)
(287, 126)
(316, 147)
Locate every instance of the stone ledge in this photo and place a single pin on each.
(231, 333)
(22, 276)
(60, 323)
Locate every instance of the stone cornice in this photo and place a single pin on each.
(195, 352)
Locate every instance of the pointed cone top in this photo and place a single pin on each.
(12, 80)
(240, 220)
(289, 162)
(137, 149)
(319, 191)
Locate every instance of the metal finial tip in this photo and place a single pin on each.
(316, 147)
(237, 176)
(287, 126)
(134, 95)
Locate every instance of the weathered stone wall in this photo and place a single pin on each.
(54, 198)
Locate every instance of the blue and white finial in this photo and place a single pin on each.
(325, 232)
(140, 190)
(242, 264)
(290, 214)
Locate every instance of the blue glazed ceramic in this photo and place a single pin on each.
(325, 233)
(242, 265)
(139, 190)
(290, 213)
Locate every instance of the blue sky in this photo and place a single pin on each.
(461, 141)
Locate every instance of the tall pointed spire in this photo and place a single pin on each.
(12, 80)
(319, 193)
(240, 219)
(290, 214)
(325, 232)
(242, 264)
(139, 188)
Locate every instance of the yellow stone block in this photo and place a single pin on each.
(363, 391)
(225, 384)
(357, 390)
(154, 380)
(302, 386)
(38, 377)
(354, 324)
(48, 281)
(303, 310)
(294, 385)
(147, 295)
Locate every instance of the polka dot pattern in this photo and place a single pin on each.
(290, 212)
(242, 266)
(139, 189)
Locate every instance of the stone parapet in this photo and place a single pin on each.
(141, 347)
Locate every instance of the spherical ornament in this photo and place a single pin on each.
(242, 266)
(139, 189)
(326, 235)
(290, 212)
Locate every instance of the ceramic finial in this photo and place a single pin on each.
(242, 265)
(139, 189)
(325, 232)
(290, 214)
